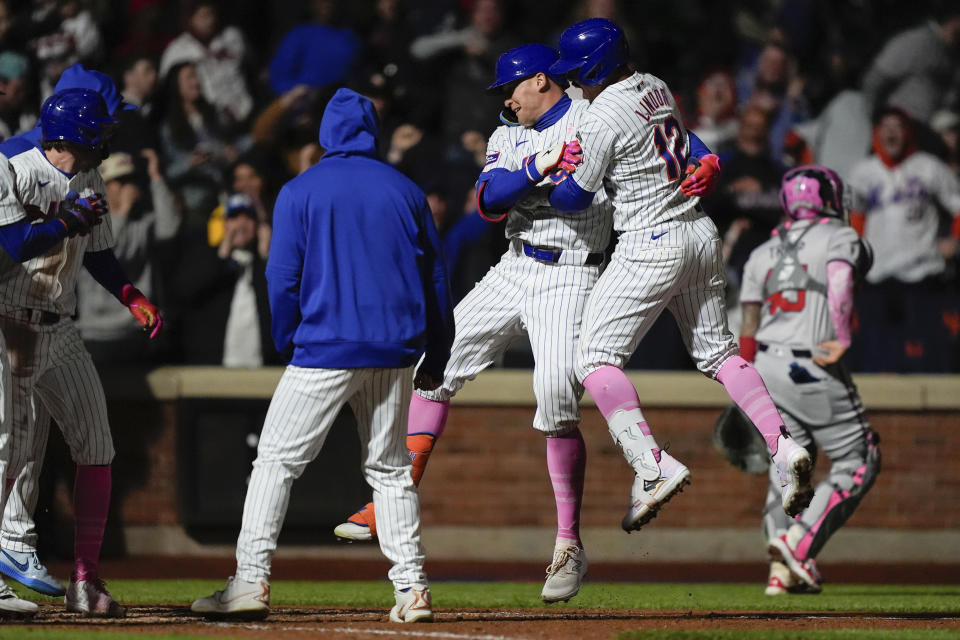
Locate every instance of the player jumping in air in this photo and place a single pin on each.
(668, 257)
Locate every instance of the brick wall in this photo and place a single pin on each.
(490, 469)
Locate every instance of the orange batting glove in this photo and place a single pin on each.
(702, 176)
(142, 309)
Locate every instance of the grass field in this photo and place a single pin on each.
(871, 603)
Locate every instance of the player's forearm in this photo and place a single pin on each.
(569, 197)
(750, 320)
(106, 270)
(698, 149)
(840, 298)
(499, 190)
(23, 240)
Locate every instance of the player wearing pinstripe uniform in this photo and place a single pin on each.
(18, 539)
(539, 288)
(797, 298)
(48, 361)
(10, 603)
(667, 257)
(357, 291)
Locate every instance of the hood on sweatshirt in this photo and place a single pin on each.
(349, 125)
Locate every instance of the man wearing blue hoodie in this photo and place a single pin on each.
(358, 292)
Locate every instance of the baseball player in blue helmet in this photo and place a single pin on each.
(58, 228)
(636, 149)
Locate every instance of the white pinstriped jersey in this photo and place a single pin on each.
(532, 219)
(47, 282)
(635, 146)
(900, 205)
(798, 317)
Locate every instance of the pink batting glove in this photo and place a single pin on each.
(702, 176)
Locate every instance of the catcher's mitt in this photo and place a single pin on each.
(738, 440)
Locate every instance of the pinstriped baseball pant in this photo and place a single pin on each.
(5, 440)
(52, 375)
(679, 269)
(521, 296)
(303, 409)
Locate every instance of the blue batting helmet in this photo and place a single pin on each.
(596, 47)
(76, 115)
(522, 62)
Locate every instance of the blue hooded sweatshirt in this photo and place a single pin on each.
(355, 276)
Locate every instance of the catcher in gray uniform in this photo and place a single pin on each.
(797, 299)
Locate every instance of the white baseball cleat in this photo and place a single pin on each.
(91, 598)
(413, 605)
(353, 532)
(27, 569)
(804, 571)
(794, 467)
(239, 599)
(565, 574)
(647, 496)
(781, 581)
(12, 605)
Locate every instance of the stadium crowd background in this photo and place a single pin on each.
(230, 96)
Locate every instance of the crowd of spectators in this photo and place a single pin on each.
(228, 97)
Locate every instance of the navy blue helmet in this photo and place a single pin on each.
(76, 115)
(522, 62)
(594, 48)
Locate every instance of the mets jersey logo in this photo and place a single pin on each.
(491, 158)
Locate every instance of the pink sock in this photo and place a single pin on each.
(619, 403)
(91, 500)
(427, 416)
(567, 462)
(746, 388)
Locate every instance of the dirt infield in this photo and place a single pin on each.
(363, 624)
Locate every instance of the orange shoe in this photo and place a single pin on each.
(360, 527)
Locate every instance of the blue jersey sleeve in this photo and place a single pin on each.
(499, 189)
(697, 148)
(568, 196)
(106, 269)
(23, 240)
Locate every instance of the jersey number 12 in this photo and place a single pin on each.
(669, 140)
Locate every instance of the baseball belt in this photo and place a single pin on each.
(553, 255)
(797, 353)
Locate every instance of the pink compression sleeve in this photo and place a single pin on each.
(840, 298)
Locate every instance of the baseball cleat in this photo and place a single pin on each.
(90, 598)
(802, 570)
(413, 605)
(565, 574)
(780, 581)
(647, 496)
(360, 527)
(12, 605)
(239, 600)
(27, 569)
(794, 466)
